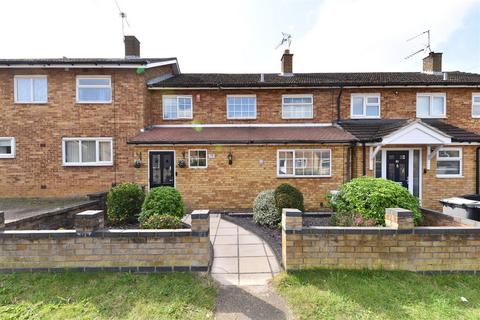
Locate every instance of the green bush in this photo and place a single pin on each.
(124, 202)
(287, 196)
(162, 201)
(264, 210)
(369, 197)
(161, 221)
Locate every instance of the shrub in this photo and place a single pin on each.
(124, 202)
(349, 219)
(287, 196)
(162, 201)
(264, 210)
(161, 221)
(369, 197)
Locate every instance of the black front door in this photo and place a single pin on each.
(162, 166)
(397, 167)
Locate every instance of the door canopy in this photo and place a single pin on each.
(417, 132)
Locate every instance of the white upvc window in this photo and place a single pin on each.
(241, 107)
(94, 89)
(30, 89)
(177, 107)
(304, 163)
(365, 105)
(449, 163)
(476, 105)
(431, 105)
(297, 106)
(197, 158)
(87, 151)
(7, 147)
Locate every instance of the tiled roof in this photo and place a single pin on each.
(86, 61)
(197, 80)
(243, 135)
(374, 130)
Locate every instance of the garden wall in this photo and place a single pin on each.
(91, 248)
(400, 245)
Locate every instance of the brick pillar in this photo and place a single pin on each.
(2, 220)
(89, 221)
(292, 224)
(200, 222)
(399, 218)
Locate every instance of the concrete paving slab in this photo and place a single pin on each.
(254, 265)
(225, 265)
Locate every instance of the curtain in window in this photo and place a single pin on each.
(105, 151)
(40, 89)
(24, 89)
(5, 146)
(94, 94)
(88, 151)
(71, 152)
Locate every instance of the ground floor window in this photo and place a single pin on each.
(449, 162)
(304, 163)
(87, 151)
(7, 147)
(197, 158)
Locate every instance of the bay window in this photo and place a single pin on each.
(304, 163)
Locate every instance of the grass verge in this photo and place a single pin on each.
(76, 295)
(349, 294)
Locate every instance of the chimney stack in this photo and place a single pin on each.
(132, 47)
(287, 63)
(433, 63)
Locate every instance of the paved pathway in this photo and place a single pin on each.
(243, 264)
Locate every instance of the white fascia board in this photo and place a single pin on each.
(92, 66)
(240, 125)
(315, 87)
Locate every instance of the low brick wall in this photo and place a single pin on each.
(399, 246)
(91, 248)
(435, 218)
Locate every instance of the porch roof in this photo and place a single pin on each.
(374, 130)
(243, 135)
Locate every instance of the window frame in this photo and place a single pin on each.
(241, 96)
(296, 96)
(431, 95)
(365, 96)
(293, 175)
(459, 159)
(177, 97)
(198, 167)
(31, 77)
(475, 94)
(12, 145)
(97, 162)
(77, 87)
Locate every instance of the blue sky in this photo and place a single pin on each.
(240, 36)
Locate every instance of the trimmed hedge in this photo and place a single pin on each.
(369, 197)
(161, 201)
(287, 196)
(124, 202)
(161, 221)
(264, 210)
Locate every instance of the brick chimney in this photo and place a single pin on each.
(132, 47)
(287, 63)
(433, 63)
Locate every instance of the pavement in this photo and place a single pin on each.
(243, 265)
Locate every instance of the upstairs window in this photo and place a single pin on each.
(87, 152)
(94, 89)
(365, 106)
(241, 107)
(304, 163)
(7, 147)
(476, 105)
(449, 163)
(197, 158)
(297, 107)
(177, 107)
(31, 89)
(431, 105)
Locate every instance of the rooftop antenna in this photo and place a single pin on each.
(286, 39)
(123, 15)
(427, 45)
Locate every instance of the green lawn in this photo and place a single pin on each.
(327, 294)
(75, 295)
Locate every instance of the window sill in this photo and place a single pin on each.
(241, 118)
(173, 119)
(361, 117)
(7, 156)
(449, 176)
(42, 103)
(94, 102)
(439, 117)
(302, 177)
(197, 167)
(87, 164)
(299, 118)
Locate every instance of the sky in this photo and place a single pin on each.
(240, 36)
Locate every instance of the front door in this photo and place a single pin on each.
(162, 166)
(397, 167)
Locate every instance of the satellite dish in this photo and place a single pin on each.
(427, 45)
(286, 40)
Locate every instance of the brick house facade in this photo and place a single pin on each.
(242, 133)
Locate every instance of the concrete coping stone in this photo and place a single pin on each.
(400, 212)
(292, 212)
(384, 230)
(90, 214)
(199, 214)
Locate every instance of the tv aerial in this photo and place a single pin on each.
(286, 40)
(123, 15)
(427, 45)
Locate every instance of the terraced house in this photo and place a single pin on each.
(77, 126)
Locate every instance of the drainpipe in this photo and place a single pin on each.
(477, 183)
(338, 103)
(364, 162)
